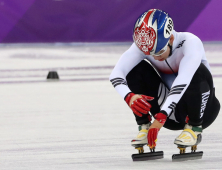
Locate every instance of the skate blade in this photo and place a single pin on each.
(187, 156)
(147, 156)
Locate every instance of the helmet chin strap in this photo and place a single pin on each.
(169, 56)
(170, 49)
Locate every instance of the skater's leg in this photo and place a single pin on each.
(143, 79)
(199, 102)
(211, 111)
(199, 99)
(172, 125)
(137, 82)
(213, 106)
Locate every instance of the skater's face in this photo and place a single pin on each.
(165, 54)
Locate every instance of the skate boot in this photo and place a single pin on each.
(140, 141)
(190, 137)
(141, 138)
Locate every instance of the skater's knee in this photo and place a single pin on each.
(143, 79)
(143, 70)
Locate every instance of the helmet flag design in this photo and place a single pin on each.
(152, 31)
(145, 38)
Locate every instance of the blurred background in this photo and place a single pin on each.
(47, 21)
(79, 121)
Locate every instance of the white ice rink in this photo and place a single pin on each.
(80, 122)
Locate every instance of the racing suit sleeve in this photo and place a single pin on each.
(126, 63)
(193, 51)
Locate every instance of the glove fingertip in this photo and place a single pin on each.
(136, 112)
(147, 97)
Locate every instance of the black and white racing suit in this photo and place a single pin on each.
(184, 86)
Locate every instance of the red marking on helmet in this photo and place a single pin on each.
(145, 36)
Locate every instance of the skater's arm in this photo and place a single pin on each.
(126, 63)
(138, 103)
(158, 123)
(193, 51)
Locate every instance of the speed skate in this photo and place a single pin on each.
(182, 156)
(190, 137)
(140, 141)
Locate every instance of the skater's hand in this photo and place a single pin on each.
(138, 103)
(158, 123)
(152, 137)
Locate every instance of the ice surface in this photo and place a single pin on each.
(80, 122)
